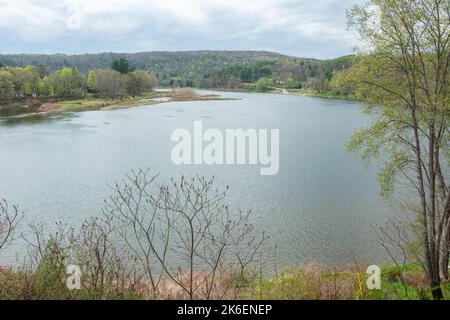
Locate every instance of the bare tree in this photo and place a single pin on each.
(136, 220)
(107, 268)
(206, 234)
(183, 232)
(9, 219)
(49, 252)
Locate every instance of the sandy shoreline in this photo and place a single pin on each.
(87, 104)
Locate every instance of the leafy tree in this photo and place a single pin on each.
(291, 83)
(121, 65)
(110, 83)
(228, 69)
(47, 88)
(263, 84)
(139, 81)
(20, 77)
(90, 83)
(67, 82)
(34, 85)
(404, 80)
(42, 70)
(6, 83)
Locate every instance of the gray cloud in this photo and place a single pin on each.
(307, 28)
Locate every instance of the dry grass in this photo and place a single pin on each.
(188, 94)
(184, 94)
(309, 282)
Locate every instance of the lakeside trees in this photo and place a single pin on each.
(211, 69)
(34, 81)
(307, 74)
(404, 80)
(112, 84)
(263, 84)
(109, 83)
(122, 65)
(66, 82)
(140, 81)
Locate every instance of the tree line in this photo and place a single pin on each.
(208, 69)
(36, 81)
(307, 74)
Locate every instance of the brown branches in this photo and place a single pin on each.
(183, 233)
(156, 241)
(9, 219)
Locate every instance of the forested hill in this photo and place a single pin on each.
(181, 62)
(198, 68)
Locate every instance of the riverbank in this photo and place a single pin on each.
(308, 93)
(292, 92)
(308, 282)
(23, 108)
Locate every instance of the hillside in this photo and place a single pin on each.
(198, 68)
(181, 62)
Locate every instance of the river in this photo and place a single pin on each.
(323, 204)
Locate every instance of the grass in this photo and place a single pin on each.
(330, 95)
(84, 104)
(105, 103)
(83, 101)
(308, 282)
(303, 92)
(312, 93)
(189, 94)
(313, 283)
(44, 107)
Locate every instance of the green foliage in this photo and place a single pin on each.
(139, 81)
(263, 85)
(233, 76)
(67, 82)
(109, 83)
(404, 81)
(291, 83)
(32, 81)
(213, 69)
(310, 282)
(121, 65)
(377, 81)
(6, 83)
(90, 83)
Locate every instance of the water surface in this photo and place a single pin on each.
(321, 206)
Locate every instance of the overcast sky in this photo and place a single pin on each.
(304, 28)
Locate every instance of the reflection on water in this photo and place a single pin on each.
(16, 111)
(34, 118)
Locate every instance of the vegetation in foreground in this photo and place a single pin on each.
(404, 81)
(125, 253)
(131, 246)
(309, 282)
